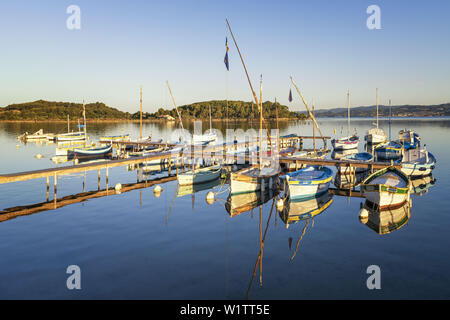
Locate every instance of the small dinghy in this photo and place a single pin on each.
(361, 156)
(309, 182)
(387, 188)
(200, 175)
(306, 209)
(339, 154)
(94, 152)
(416, 163)
(345, 143)
(73, 136)
(389, 151)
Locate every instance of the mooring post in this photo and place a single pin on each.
(98, 179)
(56, 188)
(107, 178)
(48, 187)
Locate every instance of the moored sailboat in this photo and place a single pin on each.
(201, 175)
(349, 142)
(375, 135)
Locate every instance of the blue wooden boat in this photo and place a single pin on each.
(360, 156)
(94, 152)
(418, 163)
(308, 183)
(389, 151)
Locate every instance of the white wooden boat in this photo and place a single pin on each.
(38, 135)
(388, 151)
(388, 187)
(200, 175)
(409, 139)
(73, 136)
(417, 162)
(63, 150)
(339, 154)
(254, 179)
(345, 143)
(307, 183)
(387, 220)
(295, 211)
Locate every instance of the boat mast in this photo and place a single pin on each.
(140, 117)
(68, 126)
(84, 122)
(377, 108)
(390, 115)
(260, 123)
(278, 129)
(210, 123)
(175, 105)
(348, 113)
(314, 131)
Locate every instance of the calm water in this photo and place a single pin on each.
(135, 245)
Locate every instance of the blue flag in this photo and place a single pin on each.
(290, 95)
(225, 60)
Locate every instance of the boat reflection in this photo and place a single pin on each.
(240, 203)
(420, 186)
(339, 154)
(387, 220)
(193, 188)
(301, 210)
(349, 181)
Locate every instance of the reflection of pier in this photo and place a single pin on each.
(18, 211)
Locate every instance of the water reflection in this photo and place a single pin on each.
(421, 185)
(387, 220)
(240, 203)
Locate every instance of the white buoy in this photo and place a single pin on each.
(364, 215)
(157, 191)
(38, 156)
(280, 205)
(210, 197)
(75, 161)
(118, 187)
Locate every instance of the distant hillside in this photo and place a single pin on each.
(397, 111)
(236, 110)
(50, 110)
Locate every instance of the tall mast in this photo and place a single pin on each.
(210, 122)
(348, 113)
(314, 131)
(278, 128)
(377, 108)
(390, 115)
(68, 126)
(140, 118)
(260, 123)
(84, 120)
(174, 104)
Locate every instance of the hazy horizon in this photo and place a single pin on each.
(325, 45)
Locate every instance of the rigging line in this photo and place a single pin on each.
(300, 239)
(171, 205)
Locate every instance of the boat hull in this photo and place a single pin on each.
(345, 143)
(200, 176)
(241, 183)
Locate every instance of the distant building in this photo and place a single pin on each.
(167, 117)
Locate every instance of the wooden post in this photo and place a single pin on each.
(48, 188)
(107, 178)
(98, 180)
(56, 188)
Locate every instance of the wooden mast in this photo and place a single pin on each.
(140, 117)
(314, 132)
(174, 104)
(377, 108)
(84, 122)
(210, 121)
(260, 123)
(278, 129)
(348, 113)
(68, 126)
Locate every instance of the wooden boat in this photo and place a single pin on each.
(339, 154)
(387, 220)
(417, 162)
(388, 151)
(73, 136)
(345, 143)
(124, 137)
(349, 142)
(38, 135)
(409, 139)
(94, 152)
(200, 175)
(295, 211)
(240, 203)
(254, 179)
(375, 135)
(361, 156)
(420, 185)
(307, 183)
(208, 137)
(388, 187)
(63, 150)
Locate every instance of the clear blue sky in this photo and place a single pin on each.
(324, 45)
